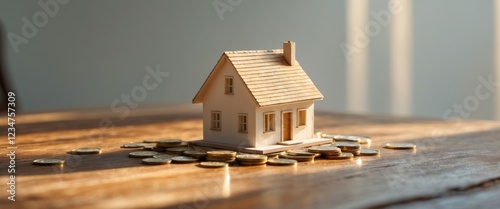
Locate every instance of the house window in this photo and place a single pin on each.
(301, 117)
(228, 85)
(269, 122)
(215, 120)
(242, 123)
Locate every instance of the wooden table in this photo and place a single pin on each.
(454, 165)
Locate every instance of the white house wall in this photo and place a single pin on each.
(230, 106)
(298, 132)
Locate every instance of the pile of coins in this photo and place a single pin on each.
(165, 151)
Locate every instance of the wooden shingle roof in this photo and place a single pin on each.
(269, 78)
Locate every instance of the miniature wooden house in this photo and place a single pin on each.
(258, 98)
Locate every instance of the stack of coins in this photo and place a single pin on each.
(348, 138)
(251, 159)
(326, 151)
(220, 155)
(299, 155)
(281, 162)
(351, 147)
(177, 150)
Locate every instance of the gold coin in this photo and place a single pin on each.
(328, 150)
(299, 158)
(194, 153)
(155, 161)
(225, 153)
(345, 138)
(347, 145)
(251, 158)
(219, 159)
(400, 146)
(342, 156)
(300, 152)
(48, 161)
(86, 151)
(168, 142)
(150, 140)
(367, 152)
(142, 154)
(135, 145)
(280, 161)
(183, 159)
(364, 140)
(213, 164)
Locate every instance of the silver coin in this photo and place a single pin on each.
(155, 161)
(86, 151)
(183, 159)
(400, 146)
(280, 161)
(364, 151)
(213, 164)
(48, 161)
(178, 150)
(142, 154)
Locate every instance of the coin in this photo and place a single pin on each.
(226, 153)
(142, 154)
(155, 161)
(168, 142)
(364, 140)
(135, 145)
(300, 152)
(194, 153)
(345, 138)
(251, 159)
(86, 151)
(346, 145)
(48, 161)
(280, 161)
(150, 140)
(326, 150)
(163, 156)
(400, 146)
(149, 147)
(213, 164)
(342, 156)
(364, 151)
(299, 158)
(220, 159)
(183, 159)
(177, 150)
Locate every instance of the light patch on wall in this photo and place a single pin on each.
(497, 56)
(401, 59)
(357, 63)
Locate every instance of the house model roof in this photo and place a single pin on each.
(269, 77)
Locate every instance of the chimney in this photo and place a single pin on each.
(289, 52)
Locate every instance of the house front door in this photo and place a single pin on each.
(286, 129)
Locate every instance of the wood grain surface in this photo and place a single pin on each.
(455, 165)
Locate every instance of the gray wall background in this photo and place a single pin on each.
(91, 52)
